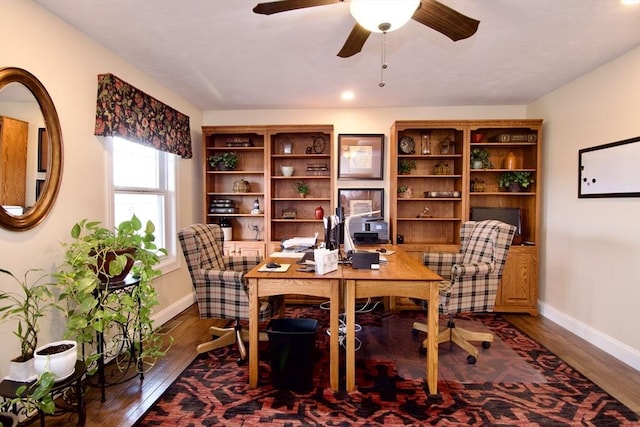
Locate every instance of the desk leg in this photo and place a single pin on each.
(334, 349)
(432, 339)
(253, 333)
(350, 312)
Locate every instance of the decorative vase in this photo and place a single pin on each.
(227, 230)
(287, 170)
(57, 357)
(22, 371)
(319, 212)
(510, 161)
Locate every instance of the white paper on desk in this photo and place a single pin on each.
(326, 260)
(302, 242)
(296, 255)
(281, 269)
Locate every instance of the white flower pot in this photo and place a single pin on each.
(287, 170)
(60, 364)
(22, 371)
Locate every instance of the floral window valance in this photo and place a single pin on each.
(127, 112)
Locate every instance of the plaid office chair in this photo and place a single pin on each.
(471, 280)
(221, 289)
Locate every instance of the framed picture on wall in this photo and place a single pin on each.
(361, 200)
(360, 156)
(43, 149)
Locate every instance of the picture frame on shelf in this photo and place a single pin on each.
(360, 156)
(361, 200)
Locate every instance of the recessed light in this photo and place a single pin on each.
(630, 2)
(347, 95)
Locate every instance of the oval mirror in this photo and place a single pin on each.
(26, 168)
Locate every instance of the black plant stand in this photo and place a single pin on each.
(73, 402)
(125, 352)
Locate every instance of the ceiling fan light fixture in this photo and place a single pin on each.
(383, 15)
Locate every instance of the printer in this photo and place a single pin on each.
(370, 231)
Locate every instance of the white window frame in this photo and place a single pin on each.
(168, 172)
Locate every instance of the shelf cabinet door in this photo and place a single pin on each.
(518, 288)
(244, 249)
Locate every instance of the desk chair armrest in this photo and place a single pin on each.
(475, 269)
(241, 263)
(441, 262)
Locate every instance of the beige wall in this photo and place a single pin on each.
(591, 247)
(67, 63)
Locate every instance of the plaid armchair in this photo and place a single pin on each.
(219, 283)
(471, 278)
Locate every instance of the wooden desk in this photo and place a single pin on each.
(404, 276)
(262, 284)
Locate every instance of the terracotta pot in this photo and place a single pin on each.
(61, 364)
(103, 265)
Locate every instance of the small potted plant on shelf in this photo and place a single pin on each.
(96, 260)
(224, 161)
(405, 192)
(515, 180)
(405, 166)
(480, 159)
(302, 188)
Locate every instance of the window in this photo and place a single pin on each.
(143, 182)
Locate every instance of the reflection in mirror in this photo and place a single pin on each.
(30, 150)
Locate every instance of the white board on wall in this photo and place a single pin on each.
(610, 170)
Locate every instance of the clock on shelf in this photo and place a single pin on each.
(407, 145)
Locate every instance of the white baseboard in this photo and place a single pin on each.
(162, 317)
(615, 348)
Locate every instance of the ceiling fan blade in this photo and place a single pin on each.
(445, 20)
(286, 5)
(354, 42)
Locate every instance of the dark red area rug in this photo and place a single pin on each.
(213, 390)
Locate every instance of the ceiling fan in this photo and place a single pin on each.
(431, 13)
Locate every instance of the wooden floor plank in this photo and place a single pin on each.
(127, 402)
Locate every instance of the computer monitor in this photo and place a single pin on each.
(506, 215)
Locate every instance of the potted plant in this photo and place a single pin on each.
(515, 180)
(405, 192)
(27, 306)
(480, 159)
(224, 161)
(405, 166)
(86, 281)
(302, 188)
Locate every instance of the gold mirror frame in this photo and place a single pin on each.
(34, 215)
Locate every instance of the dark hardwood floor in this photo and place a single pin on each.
(125, 403)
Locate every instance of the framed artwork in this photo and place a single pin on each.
(43, 149)
(610, 170)
(360, 156)
(39, 187)
(361, 200)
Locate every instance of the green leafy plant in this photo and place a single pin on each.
(481, 155)
(36, 395)
(28, 307)
(524, 179)
(402, 189)
(302, 187)
(405, 166)
(229, 159)
(90, 307)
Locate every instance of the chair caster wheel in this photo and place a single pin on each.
(486, 344)
(241, 362)
(471, 360)
(414, 332)
(422, 350)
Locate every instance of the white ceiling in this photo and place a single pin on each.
(221, 56)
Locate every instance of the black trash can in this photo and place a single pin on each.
(292, 348)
